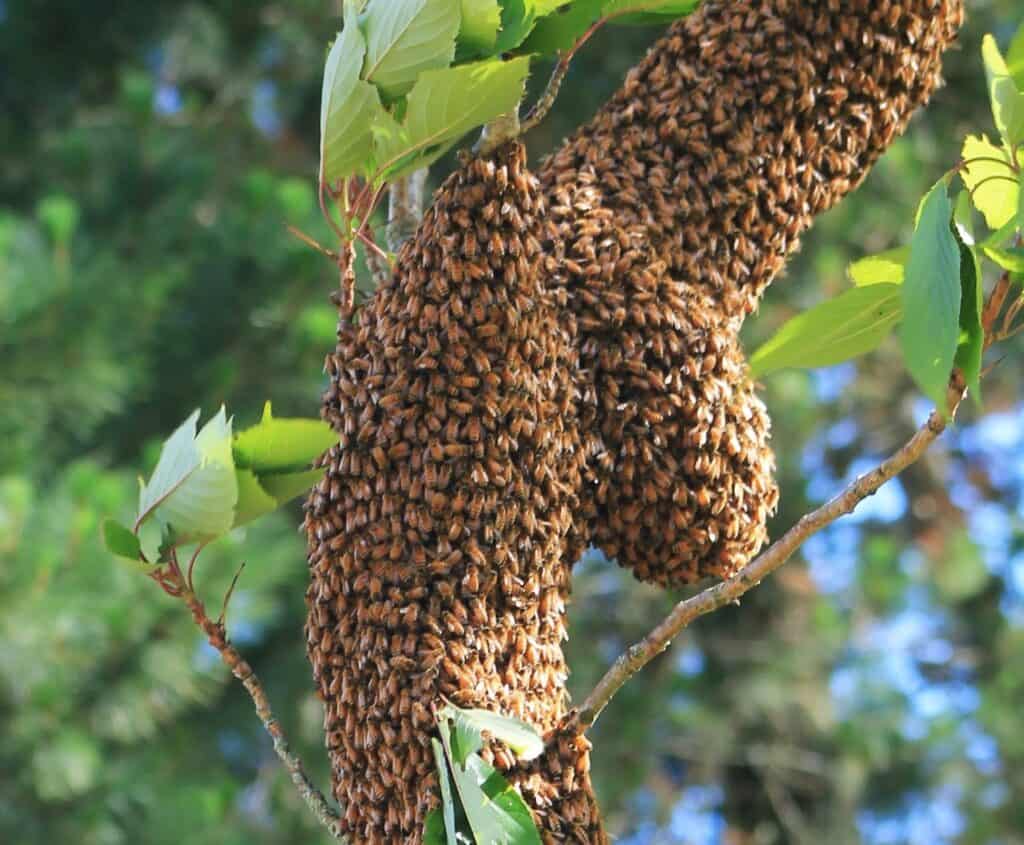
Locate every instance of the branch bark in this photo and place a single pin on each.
(729, 592)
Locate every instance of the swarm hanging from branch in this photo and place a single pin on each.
(529, 381)
(440, 533)
(676, 207)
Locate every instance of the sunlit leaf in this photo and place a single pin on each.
(478, 30)
(851, 324)
(519, 17)
(560, 31)
(253, 500)
(882, 268)
(443, 106)
(931, 297)
(405, 38)
(203, 506)
(1011, 258)
(987, 174)
(1007, 100)
(496, 811)
(179, 458)
(648, 12)
(285, 486)
(348, 106)
(466, 738)
(515, 733)
(282, 444)
(120, 540)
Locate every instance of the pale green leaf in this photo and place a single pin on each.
(203, 506)
(253, 500)
(179, 458)
(405, 38)
(994, 187)
(478, 30)
(931, 297)
(648, 12)
(285, 486)
(348, 106)
(447, 801)
(853, 323)
(442, 107)
(466, 738)
(1007, 100)
(962, 218)
(560, 31)
(515, 733)
(1011, 259)
(282, 444)
(519, 17)
(496, 811)
(882, 268)
(120, 540)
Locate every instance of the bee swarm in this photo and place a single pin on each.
(555, 364)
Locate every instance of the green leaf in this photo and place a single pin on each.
(961, 573)
(515, 733)
(405, 38)
(962, 219)
(203, 506)
(466, 738)
(882, 268)
(433, 828)
(120, 540)
(443, 106)
(59, 215)
(478, 32)
(560, 31)
(348, 106)
(179, 458)
(496, 811)
(519, 17)
(282, 445)
(1007, 101)
(285, 486)
(994, 187)
(1015, 58)
(1011, 258)
(972, 335)
(853, 323)
(931, 297)
(447, 803)
(648, 12)
(253, 500)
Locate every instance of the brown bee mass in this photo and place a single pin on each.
(556, 364)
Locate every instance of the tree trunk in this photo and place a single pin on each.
(555, 365)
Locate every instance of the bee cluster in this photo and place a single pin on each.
(556, 363)
(676, 207)
(440, 531)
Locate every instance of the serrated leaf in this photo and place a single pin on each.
(931, 297)
(478, 30)
(519, 17)
(882, 268)
(648, 12)
(121, 541)
(972, 335)
(853, 323)
(285, 486)
(253, 500)
(559, 31)
(447, 808)
(203, 507)
(442, 107)
(1011, 259)
(405, 38)
(994, 187)
(515, 733)
(179, 458)
(282, 444)
(496, 811)
(348, 106)
(1015, 58)
(1007, 101)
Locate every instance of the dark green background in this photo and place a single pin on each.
(150, 154)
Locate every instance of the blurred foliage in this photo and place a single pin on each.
(149, 158)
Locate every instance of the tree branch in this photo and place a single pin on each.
(728, 592)
(405, 207)
(170, 576)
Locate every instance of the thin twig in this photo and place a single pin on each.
(217, 637)
(727, 592)
(228, 595)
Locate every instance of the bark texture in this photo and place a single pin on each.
(557, 364)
